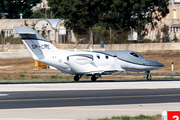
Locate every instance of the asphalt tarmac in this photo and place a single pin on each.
(83, 100)
(40, 99)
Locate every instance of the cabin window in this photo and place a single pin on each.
(107, 57)
(134, 54)
(115, 55)
(98, 56)
(67, 58)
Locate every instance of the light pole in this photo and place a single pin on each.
(110, 37)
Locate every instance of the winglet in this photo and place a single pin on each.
(117, 66)
(91, 49)
(75, 49)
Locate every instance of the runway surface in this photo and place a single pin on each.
(87, 100)
(37, 99)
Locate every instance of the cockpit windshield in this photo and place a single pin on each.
(140, 55)
(136, 54)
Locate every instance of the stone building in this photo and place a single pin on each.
(7, 25)
(55, 31)
(43, 4)
(53, 28)
(172, 20)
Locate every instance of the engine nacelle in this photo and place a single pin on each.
(80, 59)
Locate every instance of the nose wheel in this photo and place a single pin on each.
(148, 77)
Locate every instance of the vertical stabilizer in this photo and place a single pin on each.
(38, 45)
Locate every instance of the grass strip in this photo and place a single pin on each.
(139, 117)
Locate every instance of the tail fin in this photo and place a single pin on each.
(37, 44)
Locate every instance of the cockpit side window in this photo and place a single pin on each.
(134, 54)
(106, 56)
(98, 56)
(115, 55)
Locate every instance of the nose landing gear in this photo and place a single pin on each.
(148, 77)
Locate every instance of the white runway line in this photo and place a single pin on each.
(86, 112)
(89, 86)
(4, 95)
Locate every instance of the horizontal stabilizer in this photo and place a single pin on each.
(27, 33)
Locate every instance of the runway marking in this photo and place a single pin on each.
(4, 95)
(80, 109)
(29, 119)
(106, 97)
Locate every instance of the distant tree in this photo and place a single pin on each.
(33, 25)
(83, 15)
(1, 4)
(15, 7)
(3, 17)
(2, 35)
(1, 10)
(165, 37)
(158, 36)
(175, 39)
(12, 40)
(37, 14)
(25, 23)
(40, 13)
(43, 32)
(100, 32)
(49, 13)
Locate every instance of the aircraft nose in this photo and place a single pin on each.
(153, 63)
(160, 64)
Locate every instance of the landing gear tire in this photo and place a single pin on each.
(93, 78)
(148, 77)
(76, 78)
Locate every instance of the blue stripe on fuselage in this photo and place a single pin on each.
(107, 53)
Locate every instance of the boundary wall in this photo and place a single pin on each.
(20, 50)
(135, 47)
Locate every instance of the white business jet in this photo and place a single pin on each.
(79, 63)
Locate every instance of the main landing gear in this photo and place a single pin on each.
(77, 77)
(148, 77)
(93, 78)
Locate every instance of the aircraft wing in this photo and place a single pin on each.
(104, 72)
(117, 67)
